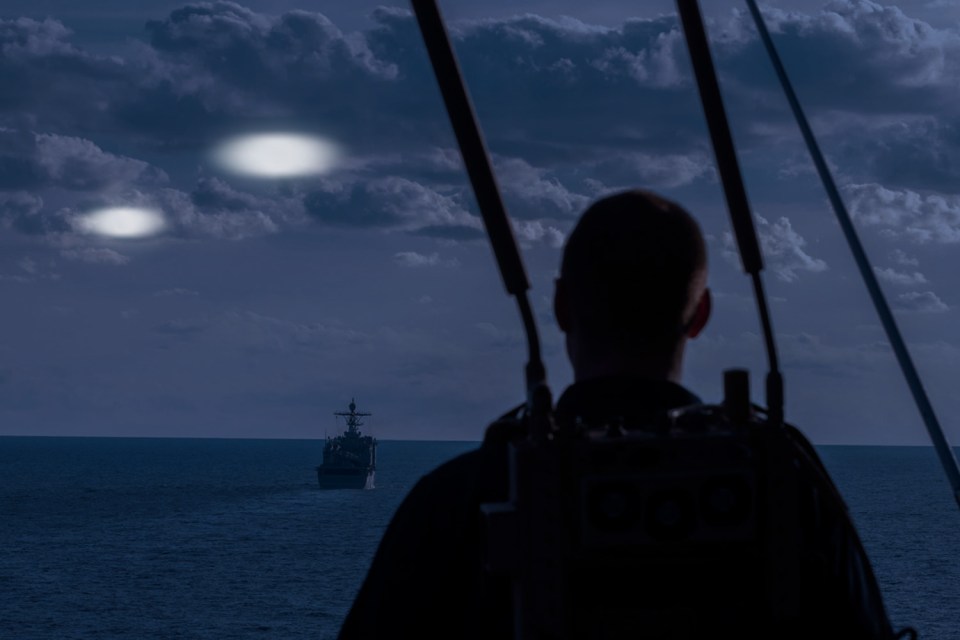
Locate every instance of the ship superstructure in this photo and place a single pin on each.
(349, 459)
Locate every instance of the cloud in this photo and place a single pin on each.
(919, 218)
(783, 250)
(95, 255)
(923, 302)
(921, 152)
(39, 163)
(216, 210)
(209, 68)
(537, 231)
(80, 165)
(49, 72)
(414, 259)
(895, 277)
(901, 258)
(239, 44)
(854, 54)
(19, 209)
(224, 60)
(532, 193)
(662, 171)
(390, 202)
(877, 84)
(206, 64)
(41, 160)
(216, 195)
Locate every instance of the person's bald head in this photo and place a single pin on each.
(633, 276)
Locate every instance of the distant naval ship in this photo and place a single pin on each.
(349, 459)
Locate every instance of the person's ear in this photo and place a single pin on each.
(701, 315)
(561, 308)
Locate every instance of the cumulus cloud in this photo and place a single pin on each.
(49, 72)
(39, 163)
(920, 152)
(654, 65)
(920, 218)
(206, 66)
(663, 171)
(856, 53)
(19, 209)
(901, 258)
(924, 302)
(895, 277)
(95, 255)
(414, 259)
(41, 160)
(391, 203)
(532, 193)
(214, 209)
(537, 231)
(225, 36)
(783, 250)
(78, 164)
(211, 61)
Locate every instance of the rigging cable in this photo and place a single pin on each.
(733, 188)
(477, 163)
(947, 458)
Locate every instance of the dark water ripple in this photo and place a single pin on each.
(140, 538)
(910, 526)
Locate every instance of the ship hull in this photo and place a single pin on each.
(345, 478)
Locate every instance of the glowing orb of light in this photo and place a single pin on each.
(123, 222)
(277, 155)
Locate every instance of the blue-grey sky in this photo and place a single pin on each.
(266, 304)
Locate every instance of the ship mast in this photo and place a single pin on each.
(353, 417)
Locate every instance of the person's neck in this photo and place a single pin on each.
(617, 365)
(596, 360)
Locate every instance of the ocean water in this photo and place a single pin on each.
(172, 538)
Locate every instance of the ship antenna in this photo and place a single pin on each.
(477, 163)
(733, 189)
(945, 453)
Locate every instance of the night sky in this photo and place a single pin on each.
(261, 304)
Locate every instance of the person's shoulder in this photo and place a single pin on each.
(812, 472)
(476, 472)
(457, 469)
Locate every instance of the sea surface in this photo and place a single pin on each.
(116, 538)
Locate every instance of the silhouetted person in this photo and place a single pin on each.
(632, 290)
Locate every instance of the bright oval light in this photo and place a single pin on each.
(277, 155)
(123, 222)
